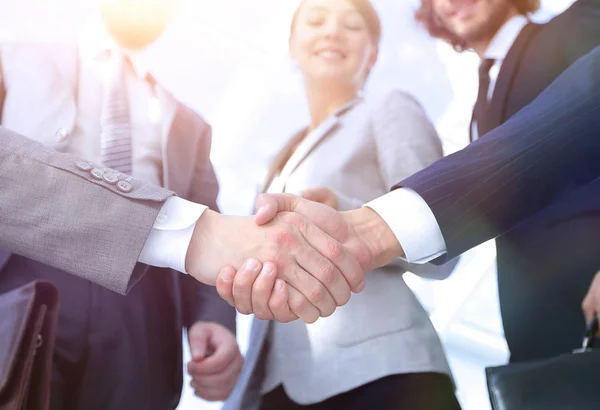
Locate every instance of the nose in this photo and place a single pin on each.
(333, 29)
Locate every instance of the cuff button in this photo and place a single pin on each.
(124, 186)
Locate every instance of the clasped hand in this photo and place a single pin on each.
(314, 256)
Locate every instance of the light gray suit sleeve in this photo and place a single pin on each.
(53, 212)
(406, 143)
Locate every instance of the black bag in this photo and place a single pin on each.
(567, 382)
(27, 333)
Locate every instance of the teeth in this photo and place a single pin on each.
(330, 54)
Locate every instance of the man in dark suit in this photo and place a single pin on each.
(113, 351)
(546, 264)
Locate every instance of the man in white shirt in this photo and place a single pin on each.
(112, 351)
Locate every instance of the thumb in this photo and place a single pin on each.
(268, 205)
(199, 337)
(588, 307)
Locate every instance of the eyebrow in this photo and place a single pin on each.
(325, 9)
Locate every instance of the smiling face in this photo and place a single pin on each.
(331, 41)
(474, 21)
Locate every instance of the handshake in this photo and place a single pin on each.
(294, 259)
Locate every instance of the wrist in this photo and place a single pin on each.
(197, 258)
(378, 237)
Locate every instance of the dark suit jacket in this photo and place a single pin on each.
(532, 182)
(186, 170)
(546, 265)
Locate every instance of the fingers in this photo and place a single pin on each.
(279, 303)
(198, 337)
(268, 205)
(330, 282)
(301, 307)
(225, 284)
(335, 265)
(314, 194)
(321, 195)
(262, 289)
(214, 377)
(242, 285)
(216, 386)
(588, 307)
(310, 285)
(591, 302)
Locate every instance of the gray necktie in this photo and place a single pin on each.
(115, 137)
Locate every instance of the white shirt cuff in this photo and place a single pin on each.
(168, 242)
(413, 223)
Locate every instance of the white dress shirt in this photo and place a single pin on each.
(406, 213)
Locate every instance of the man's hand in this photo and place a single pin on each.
(322, 195)
(591, 302)
(320, 270)
(268, 297)
(363, 232)
(216, 360)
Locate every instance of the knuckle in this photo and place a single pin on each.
(328, 274)
(294, 219)
(318, 295)
(299, 304)
(284, 238)
(335, 251)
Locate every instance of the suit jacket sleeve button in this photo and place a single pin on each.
(61, 134)
(124, 186)
(97, 173)
(111, 177)
(83, 166)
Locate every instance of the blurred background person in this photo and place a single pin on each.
(379, 351)
(546, 264)
(97, 100)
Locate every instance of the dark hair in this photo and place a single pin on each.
(431, 21)
(364, 8)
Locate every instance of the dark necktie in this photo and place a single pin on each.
(115, 137)
(480, 111)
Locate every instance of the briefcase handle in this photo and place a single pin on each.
(591, 331)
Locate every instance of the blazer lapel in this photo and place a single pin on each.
(313, 139)
(4, 256)
(510, 66)
(309, 143)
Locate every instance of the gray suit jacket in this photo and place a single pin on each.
(55, 213)
(359, 153)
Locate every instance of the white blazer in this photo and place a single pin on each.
(359, 153)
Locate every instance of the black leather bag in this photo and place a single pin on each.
(28, 318)
(567, 382)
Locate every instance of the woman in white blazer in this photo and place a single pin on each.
(379, 351)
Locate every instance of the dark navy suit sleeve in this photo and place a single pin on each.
(544, 152)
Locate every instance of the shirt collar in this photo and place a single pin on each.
(96, 45)
(505, 37)
(348, 106)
